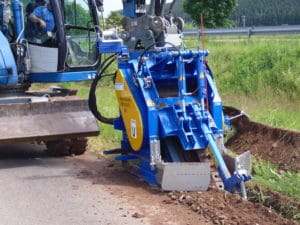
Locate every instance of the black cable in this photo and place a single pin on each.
(157, 7)
(171, 7)
(92, 94)
(149, 47)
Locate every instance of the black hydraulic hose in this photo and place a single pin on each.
(171, 6)
(149, 47)
(159, 5)
(92, 94)
(162, 4)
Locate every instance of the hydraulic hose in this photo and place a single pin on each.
(159, 4)
(151, 46)
(172, 6)
(92, 94)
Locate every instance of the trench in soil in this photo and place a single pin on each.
(278, 146)
(265, 206)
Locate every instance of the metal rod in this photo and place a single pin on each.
(151, 8)
(243, 190)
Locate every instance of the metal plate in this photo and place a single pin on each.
(240, 163)
(38, 121)
(186, 176)
(243, 162)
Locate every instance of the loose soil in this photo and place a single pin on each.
(285, 206)
(188, 208)
(279, 146)
(213, 206)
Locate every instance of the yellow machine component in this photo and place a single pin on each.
(130, 112)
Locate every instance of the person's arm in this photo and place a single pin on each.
(35, 19)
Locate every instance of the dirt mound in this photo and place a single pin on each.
(180, 208)
(287, 207)
(275, 145)
(224, 208)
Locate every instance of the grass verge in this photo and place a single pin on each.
(269, 176)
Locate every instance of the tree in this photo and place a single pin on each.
(267, 12)
(215, 12)
(114, 19)
(76, 14)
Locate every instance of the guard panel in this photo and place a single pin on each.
(130, 112)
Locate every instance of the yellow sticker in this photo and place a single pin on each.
(130, 112)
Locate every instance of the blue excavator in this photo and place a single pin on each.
(171, 114)
(28, 55)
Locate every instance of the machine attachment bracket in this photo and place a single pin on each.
(192, 176)
(241, 163)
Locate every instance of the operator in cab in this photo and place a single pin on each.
(42, 23)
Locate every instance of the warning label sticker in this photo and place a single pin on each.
(133, 128)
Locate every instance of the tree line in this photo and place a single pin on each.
(230, 13)
(266, 12)
(254, 12)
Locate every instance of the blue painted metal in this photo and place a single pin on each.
(109, 46)
(8, 74)
(178, 98)
(4, 12)
(129, 9)
(61, 77)
(174, 90)
(18, 17)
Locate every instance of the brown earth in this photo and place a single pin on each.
(182, 208)
(284, 205)
(279, 146)
(213, 206)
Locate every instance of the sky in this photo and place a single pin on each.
(111, 5)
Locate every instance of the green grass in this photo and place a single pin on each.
(107, 105)
(248, 67)
(275, 111)
(260, 76)
(267, 174)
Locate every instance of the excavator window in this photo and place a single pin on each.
(80, 34)
(40, 23)
(65, 29)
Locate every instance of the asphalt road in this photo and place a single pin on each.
(37, 189)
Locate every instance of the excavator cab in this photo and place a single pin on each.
(70, 43)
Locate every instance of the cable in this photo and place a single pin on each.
(171, 7)
(92, 94)
(149, 47)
